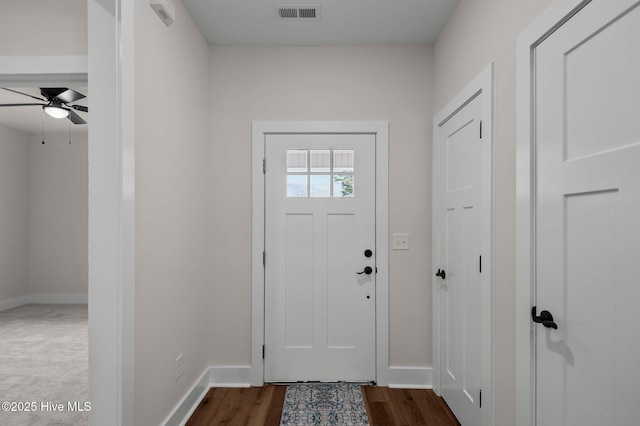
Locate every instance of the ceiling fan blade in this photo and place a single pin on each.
(25, 94)
(75, 118)
(80, 108)
(15, 105)
(52, 93)
(69, 95)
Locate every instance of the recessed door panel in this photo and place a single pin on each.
(299, 281)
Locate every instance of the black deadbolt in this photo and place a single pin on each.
(368, 253)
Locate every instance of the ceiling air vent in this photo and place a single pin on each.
(166, 10)
(291, 12)
(307, 12)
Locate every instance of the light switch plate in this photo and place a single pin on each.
(401, 241)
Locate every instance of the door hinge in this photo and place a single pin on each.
(264, 258)
(262, 351)
(480, 263)
(480, 391)
(480, 129)
(264, 165)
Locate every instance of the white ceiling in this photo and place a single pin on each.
(342, 22)
(30, 118)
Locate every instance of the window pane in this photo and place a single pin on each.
(296, 160)
(343, 160)
(343, 186)
(320, 160)
(320, 185)
(296, 185)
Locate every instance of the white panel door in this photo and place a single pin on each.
(459, 268)
(320, 257)
(588, 218)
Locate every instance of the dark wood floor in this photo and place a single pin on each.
(240, 406)
(400, 407)
(263, 406)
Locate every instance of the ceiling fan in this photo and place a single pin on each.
(56, 103)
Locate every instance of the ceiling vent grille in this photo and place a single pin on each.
(293, 12)
(307, 12)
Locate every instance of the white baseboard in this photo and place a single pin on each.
(237, 376)
(215, 376)
(411, 377)
(13, 303)
(190, 402)
(54, 299)
(59, 299)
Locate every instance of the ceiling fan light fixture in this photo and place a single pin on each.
(56, 111)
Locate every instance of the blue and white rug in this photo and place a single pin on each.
(322, 404)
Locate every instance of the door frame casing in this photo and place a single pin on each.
(554, 17)
(482, 84)
(260, 129)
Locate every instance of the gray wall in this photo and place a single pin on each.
(14, 214)
(43, 215)
(321, 83)
(58, 215)
(173, 213)
(43, 27)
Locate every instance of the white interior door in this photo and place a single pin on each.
(458, 265)
(588, 208)
(319, 241)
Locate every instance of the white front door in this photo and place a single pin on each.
(458, 275)
(587, 269)
(320, 319)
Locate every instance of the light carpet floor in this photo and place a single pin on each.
(339, 404)
(44, 359)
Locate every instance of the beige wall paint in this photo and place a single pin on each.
(321, 83)
(58, 214)
(172, 210)
(14, 217)
(43, 27)
(43, 214)
(478, 33)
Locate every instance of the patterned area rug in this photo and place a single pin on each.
(323, 405)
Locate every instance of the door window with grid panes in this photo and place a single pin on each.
(320, 173)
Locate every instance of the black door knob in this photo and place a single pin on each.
(441, 274)
(545, 318)
(367, 270)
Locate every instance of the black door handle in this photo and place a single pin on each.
(545, 318)
(441, 274)
(367, 270)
